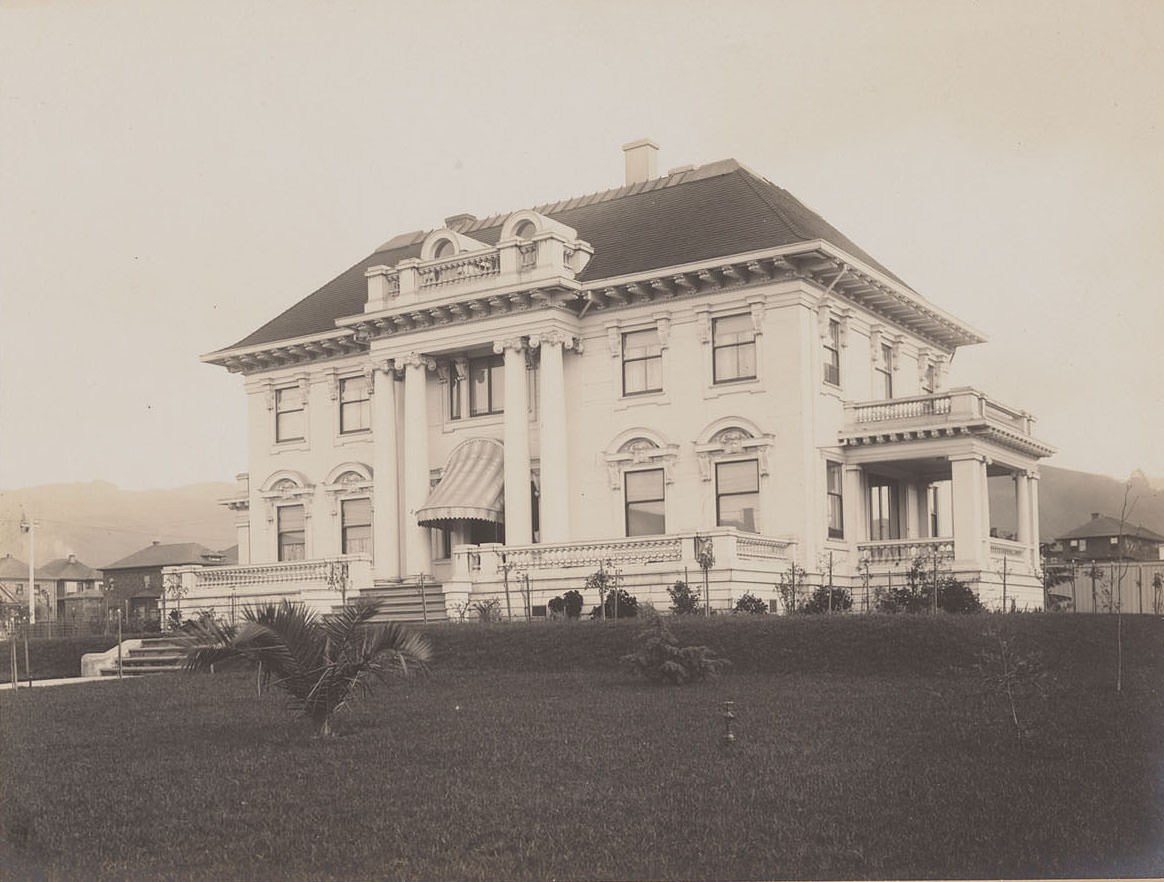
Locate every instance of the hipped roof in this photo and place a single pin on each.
(167, 556)
(712, 211)
(1104, 526)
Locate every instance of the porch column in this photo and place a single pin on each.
(555, 495)
(1033, 495)
(386, 489)
(518, 513)
(853, 506)
(417, 551)
(969, 481)
(1022, 499)
(912, 511)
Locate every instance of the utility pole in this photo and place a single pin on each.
(28, 525)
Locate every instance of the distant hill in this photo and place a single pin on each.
(1067, 498)
(101, 523)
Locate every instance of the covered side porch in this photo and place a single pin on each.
(949, 479)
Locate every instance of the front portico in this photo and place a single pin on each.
(920, 470)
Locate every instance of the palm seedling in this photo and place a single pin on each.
(322, 663)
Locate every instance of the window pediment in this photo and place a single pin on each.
(733, 439)
(636, 450)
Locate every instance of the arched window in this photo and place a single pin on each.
(524, 230)
(444, 249)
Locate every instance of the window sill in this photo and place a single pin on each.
(642, 398)
(748, 387)
(290, 446)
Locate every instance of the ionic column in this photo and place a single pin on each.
(1022, 498)
(1033, 495)
(555, 495)
(518, 512)
(969, 480)
(386, 489)
(417, 551)
(853, 506)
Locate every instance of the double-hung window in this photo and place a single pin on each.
(929, 380)
(834, 478)
(737, 494)
(884, 513)
(644, 503)
(355, 405)
(832, 354)
(642, 362)
(356, 529)
(733, 344)
(292, 533)
(486, 385)
(885, 369)
(289, 414)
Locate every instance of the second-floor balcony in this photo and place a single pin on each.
(960, 411)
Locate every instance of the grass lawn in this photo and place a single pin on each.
(865, 748)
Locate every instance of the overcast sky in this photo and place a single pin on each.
(174, 174)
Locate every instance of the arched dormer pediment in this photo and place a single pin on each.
(527, 224)
(731, 437)
(639, 446)
(286, 484)
(445, 243)
(349, 477)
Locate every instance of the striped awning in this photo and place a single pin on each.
(472, 486)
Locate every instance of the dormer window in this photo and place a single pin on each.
(524, 230)
(445, 248)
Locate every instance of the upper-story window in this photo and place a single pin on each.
(292, 532)
(355, 405)
(524, 230)
(836, 500)
(832, 353)
(644, 503)
(456, 387)
(289, 414)
(737, 494)
(486, 385)
(642, 362)
(885, 369)
(929, 379)
(356, 526)
(444, 249)
(733, 344)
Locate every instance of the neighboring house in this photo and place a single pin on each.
(14, 592)
(1105, 538)
(75, 588)
(600, 381)
(135, 584)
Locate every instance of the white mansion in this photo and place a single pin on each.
(496, 408)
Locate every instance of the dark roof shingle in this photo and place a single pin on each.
(712, 211)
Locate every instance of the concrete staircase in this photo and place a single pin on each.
(402, 601)
(157, 655)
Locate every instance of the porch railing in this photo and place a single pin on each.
(963, 404)
(896, 551)
(592, 554)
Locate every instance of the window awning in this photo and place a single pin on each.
(471, 486)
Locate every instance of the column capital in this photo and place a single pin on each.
(516, 343)
(967, 457)
(554, 337)
(415, 359)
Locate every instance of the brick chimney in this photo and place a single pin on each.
(641, 160)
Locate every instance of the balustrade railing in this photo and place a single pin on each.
(460, 268)
(1000, 548)
(761, 548)
(594, 554)
(895, 551)
(904, 408)
(302, 573)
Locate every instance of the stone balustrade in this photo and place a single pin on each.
(897, 551)
(460, 268)
(961, 406)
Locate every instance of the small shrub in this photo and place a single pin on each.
(916, 594)
(557, 607)
(823, 600)
(618, 605)
(488, 610)
(573, 601)
(661, 659)
(750, 603)
(1018, 677)
(684, 600)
